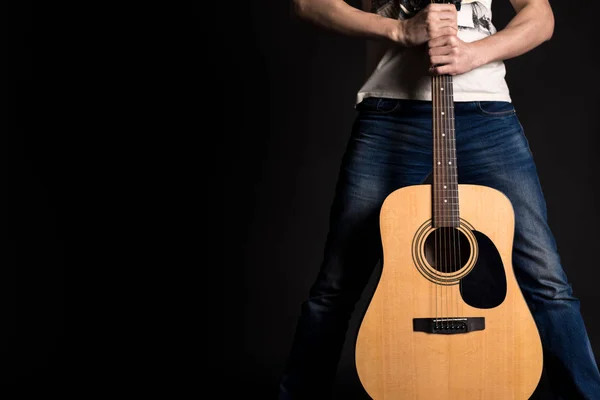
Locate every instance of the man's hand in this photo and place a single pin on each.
(451, 56)
(433, 21)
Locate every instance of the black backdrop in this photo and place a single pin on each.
(291, 115)
(273, 116)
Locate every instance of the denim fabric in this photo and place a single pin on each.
(390, 147)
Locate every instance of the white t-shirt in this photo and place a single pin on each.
(404, 72)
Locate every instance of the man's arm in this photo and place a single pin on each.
(337, 15)
(532, 25)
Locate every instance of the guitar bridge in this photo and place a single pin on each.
(448, 326)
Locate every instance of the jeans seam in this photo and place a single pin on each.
(387, 111)
(494, 113)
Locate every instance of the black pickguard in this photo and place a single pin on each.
(485, 285)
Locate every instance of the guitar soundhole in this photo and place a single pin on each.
(447, 249)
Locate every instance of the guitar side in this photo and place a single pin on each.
(394, 360)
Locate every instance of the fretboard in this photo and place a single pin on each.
(445, 183)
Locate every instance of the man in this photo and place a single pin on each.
(391, 147)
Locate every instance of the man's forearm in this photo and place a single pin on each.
(531, 26)
(343, 18)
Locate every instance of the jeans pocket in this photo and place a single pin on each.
(379, 105)
(495, 108)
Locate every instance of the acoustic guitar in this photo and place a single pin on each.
(447, 319)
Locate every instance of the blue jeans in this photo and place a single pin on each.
(391, 147)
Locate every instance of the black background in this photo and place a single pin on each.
(273, 115)
(33, 276)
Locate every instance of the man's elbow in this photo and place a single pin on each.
(549, 24)
(301, 8)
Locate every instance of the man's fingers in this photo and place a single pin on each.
(441, 31)
(441, 60)
(441, 7)
(437, 31)
(443, 40)
(441, 51)
(447, 15)
(442, 70)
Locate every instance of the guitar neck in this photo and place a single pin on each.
(445, 182)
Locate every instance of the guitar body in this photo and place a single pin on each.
(500, 358)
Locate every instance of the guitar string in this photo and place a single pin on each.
(447, 205)
(451, 185)
(459, 265)
(441, 213)
(443, 201)
(440, 210)
(440, 200)
(435, 197)
(454, 185)
(440, 203)
(443, 170)
(439, 197)
(447, 200)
